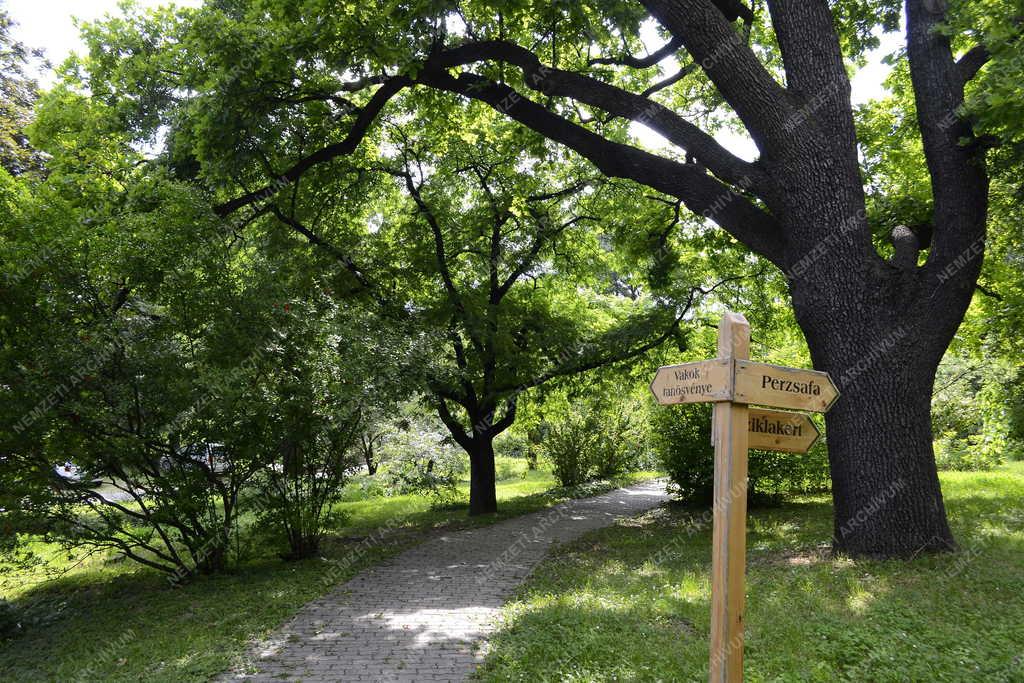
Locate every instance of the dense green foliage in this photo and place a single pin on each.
(200, 386)
(141, 334)
(682, 439)
(18, 94)
(975, 407)
(595, 440)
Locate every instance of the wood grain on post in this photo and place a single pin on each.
(729, 546)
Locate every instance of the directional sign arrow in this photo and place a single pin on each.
(780, 430)
(706, 380)
(780, 387)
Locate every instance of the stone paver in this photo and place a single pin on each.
(421, 615)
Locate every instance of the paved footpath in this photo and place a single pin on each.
(420, 615)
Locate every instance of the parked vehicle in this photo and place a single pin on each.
(213, 455)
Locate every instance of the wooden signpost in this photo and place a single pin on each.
(731, 382)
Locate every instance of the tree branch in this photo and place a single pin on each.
(542, 237)
(959, 180)
(815, 70)
(761, 103)
(454, 426)
(671, 80)
(441, 257)
(971, 62)
(509, 417)
(670, 48)
(360, 126)
(315, 239)
(621, 355)
(700, 192)
(614, 100)
(991, 293)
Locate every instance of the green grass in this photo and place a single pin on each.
(128, 624)
(630, 603)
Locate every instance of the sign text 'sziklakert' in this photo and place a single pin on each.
(733, 383)
(780, 430)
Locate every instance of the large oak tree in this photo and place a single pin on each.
(263, 96)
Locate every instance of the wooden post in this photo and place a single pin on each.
(729, 546)
(730, 382)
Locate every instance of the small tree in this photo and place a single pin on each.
(372, 432)
(419, 456)
(305, 412)
(508, 271)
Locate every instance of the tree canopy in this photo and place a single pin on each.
(470, 175)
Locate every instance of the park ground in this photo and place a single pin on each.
(98, 619)
(628, 603)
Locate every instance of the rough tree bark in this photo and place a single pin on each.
(878, 325)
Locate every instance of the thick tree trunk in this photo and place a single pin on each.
(882, 352)
(885, 487)
(478, 442)
(879, 326)
(482, 496)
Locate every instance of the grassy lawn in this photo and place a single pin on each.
(109, 620)
(630, 603)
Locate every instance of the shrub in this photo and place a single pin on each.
(295, 495)
(620, 442)
(595, 442)
(682, 439)
(977, 452)
(511, 444)
(775, 475)
(419, 458)
(569, 444)
(977, 413)
(535, 438)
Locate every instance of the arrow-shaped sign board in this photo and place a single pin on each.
(780, 387)
(706, 380)
(780, 430)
